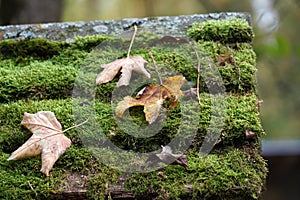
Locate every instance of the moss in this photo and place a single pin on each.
(225, 31)
(99, 183)
(42, 69)
(54, 77)
(37, 48)
(232, 174)
(23, 179)
(241, 115)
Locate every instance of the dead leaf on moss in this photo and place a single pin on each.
(127, 66)
(166, 156)
(47, 139)
(152, 98)
(249, 134)
(224, 59)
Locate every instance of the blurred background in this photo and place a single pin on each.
(276, 25)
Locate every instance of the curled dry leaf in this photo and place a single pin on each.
(152, 98)
(166, 156)
(47, 139)
(224, 59)
(249, 134)
(127, 66)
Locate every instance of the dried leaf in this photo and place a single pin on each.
(190, 93)
(224, 59)
(47, 139)
(127, 66)
(249, 134)
(166, 156)
(153, 96)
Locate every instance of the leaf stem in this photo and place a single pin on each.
(156, 68)
(199, 73)
(131, 42)
(75, 126)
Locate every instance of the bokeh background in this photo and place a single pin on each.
(277, 28)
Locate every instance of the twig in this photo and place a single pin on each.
(131, 42)
(32, 188)
(199, 73)
(156, 68)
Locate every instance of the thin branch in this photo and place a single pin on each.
(32, 188)
(156, 68)
(131, 42)
(199, 73)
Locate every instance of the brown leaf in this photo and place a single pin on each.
(166, 156)
(152, 98)
(128, 65)
(224, 59)
(47, 139)
(249, 134)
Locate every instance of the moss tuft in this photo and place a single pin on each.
(36, 48)
(225, 31)
(232, 174)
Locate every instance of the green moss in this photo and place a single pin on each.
(241, 115)
(42, 69)
(99, 183)
(23, 179)
(232, 174)
(53, 78)
(37, 48)
(225, 31)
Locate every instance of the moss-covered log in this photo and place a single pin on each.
(40, 74)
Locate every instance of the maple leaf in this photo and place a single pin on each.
(47, 139)
(128, 65)
(152, 98)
